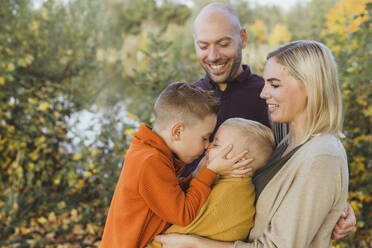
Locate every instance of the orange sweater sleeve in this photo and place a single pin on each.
(159, 187)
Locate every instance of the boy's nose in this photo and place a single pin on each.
(208, 145)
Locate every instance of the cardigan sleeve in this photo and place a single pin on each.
(162, 193)
(305, 206)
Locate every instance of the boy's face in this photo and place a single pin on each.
(195, 139)
(225, 136)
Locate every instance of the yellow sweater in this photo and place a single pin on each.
(227, 214)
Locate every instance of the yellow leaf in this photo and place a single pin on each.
(91, 228)
(40, 140)
(88, 174)
(74, 215)
(44, 14)
(34, 156)
(19, 171)
(25, 230)
(57, 181)
(259, 30)
(280, 35)
(35, 26)
(11, 129)
(77, 156)
(2, 81)
(33, 100)
(14, 165)
(152, 119)
(61, 205)
(57, 114)
(31, 166)
(42, 220)
(80, 183)
(78, 229)
(11, 67)
(52, 217)
(368, 111)
(125, 153)
(132, 116)
(51, 235)
(44, 106)
(94, 151)
(355, 206)
(129, 132)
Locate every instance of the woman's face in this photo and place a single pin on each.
(285, 95)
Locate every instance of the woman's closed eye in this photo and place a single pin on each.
(274, 85)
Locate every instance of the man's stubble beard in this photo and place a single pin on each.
(234, 69)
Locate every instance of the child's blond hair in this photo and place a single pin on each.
(258, 139)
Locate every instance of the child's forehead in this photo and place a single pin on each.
(229, 128)
(227, 131)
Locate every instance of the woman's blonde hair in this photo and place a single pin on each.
(312, 63)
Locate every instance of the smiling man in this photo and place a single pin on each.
(219, 40)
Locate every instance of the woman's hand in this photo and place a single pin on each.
(236, 166)
(345, 223)
(174, 240)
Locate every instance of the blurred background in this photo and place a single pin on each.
(78, 76)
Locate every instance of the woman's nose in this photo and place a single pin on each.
(265, 92)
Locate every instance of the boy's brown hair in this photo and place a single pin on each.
(184, 102)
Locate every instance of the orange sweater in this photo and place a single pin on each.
(148, 195)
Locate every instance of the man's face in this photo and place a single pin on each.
(218, 45)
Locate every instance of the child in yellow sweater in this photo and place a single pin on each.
(228, 213)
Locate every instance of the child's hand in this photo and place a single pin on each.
(234, 167)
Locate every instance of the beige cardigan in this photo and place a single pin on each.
(301, 204)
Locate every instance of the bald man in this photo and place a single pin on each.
(219, 40)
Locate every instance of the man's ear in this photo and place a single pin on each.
(177, 130)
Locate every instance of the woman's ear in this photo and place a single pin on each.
(177, 130)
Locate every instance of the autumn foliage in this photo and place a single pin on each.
(61, 60)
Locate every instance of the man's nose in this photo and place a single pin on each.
(213, 54)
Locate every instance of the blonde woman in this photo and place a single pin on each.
(303, 189)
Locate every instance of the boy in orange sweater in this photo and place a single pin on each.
(148, 195)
